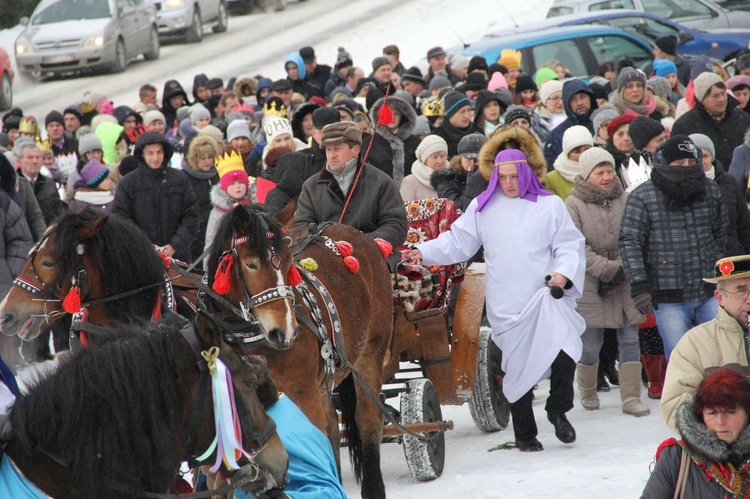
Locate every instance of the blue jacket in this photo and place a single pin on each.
(553, 146)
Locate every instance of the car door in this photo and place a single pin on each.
(693, 13)
(126, 22)
(142, 28)
(565, 51)
(603, 48)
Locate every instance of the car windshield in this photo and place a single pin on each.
(644, 27)
(72, 10)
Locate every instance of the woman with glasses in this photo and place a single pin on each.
(548, 112)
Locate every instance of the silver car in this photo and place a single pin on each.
(187, 18)
(64, 36)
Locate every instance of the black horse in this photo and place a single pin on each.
(117, 420)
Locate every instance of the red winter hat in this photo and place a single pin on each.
(616, 123)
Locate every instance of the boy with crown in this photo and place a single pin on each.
(159, 199)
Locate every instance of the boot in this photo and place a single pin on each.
(630, 389)
(608, 357)
(564, 431)
(587, 386)
(601, 382)
(656, 368)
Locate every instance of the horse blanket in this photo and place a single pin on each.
(14, 484)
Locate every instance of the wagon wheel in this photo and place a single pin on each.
(489, 407)
(420, 404)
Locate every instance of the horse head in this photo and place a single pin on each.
(254, 390)
(249, 264)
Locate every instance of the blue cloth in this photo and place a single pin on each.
(6, 376)
(312, 467)
(13, 484)
(676, 319)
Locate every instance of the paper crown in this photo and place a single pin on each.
(230, 162)
(270, 109)
(28, 125)
(433, 107)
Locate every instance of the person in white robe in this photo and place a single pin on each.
(527, 234)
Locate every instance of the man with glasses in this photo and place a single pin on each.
(674, 227)
(717, 343)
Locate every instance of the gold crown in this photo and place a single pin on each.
(270, 108)
(433, 107)
(28, 125)
(87, 106)
(229, 163)
(510, 58)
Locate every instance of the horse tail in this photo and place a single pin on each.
(348, 399)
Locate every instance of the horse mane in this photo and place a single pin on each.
(256, 233)
(123, 255)
(110, 413)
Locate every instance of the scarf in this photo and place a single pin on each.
(489, 127)
(711, 173)
(567, 168)
(423, 173)
(346, 177)
(646, 108)
(683, 185)
(397, 148)
(590, 193)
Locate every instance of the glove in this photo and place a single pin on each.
(606, 287)
(618, 278)
(642, 297)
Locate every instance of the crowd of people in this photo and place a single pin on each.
(629, 191)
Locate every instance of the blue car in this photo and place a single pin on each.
(580, 48)
(720, 44)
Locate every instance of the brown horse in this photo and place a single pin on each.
(108, 257)
(262, 256)
(117, 420)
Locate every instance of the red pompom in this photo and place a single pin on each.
(385, 115)
(167, 261)
(345, 248)
(72, 302)
(352, 264)
(292, 276)
(384, 246)
(222, 277)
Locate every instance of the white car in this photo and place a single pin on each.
(64, 36)
(186, 18)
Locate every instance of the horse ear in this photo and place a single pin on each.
(286, 215)
(207, 329)
(90, 229)
(240, 219)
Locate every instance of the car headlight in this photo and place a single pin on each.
(170, 4)
(95, 41)
(23, 47)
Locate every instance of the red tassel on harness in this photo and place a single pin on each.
(292, 276)
(385, 115)
(222, 275)
(384, 246)
(352, 264)
(345, 248)
(167, 261)
(72, 302)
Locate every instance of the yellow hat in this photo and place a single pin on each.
(731, 267)
(510, 59)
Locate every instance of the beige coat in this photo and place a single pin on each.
(713, 344)
(597, 214)
(412, 189)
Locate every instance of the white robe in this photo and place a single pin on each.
(523, 241)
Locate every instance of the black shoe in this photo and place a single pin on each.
(601, 383)
(610, 372)
(564, 431)
(532, 445)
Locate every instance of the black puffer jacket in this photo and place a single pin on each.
(401, 141)
(160, 201)
(453, 135)
(738, 229)
(293, 170)
(201, 183)
(172, 88)
(15, 241)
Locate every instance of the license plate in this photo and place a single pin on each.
(56, 59)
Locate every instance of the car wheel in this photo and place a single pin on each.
(121, 58)
(153, 52)
(195, 32)
(242, 7)
(6, 93)
(223, 19)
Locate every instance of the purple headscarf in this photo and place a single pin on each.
(529, 186)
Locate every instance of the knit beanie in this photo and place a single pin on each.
(642, 130)
(89, 142)
(700, 64)
(602, 116)
(439, 82)
(514, 112)
(623, 119)
(469, 145)
(275, 127)
(703, 142)
(154, 115)
(325, 116)
(576, 136)
(422, 126)
(591, 158)
(453, 101)
(667, 44)
(664, 67)
(459, 62)
(679, 147)
(93, 172)
(213, 132)
(379, 61)
(11, 122)
(660, 86)
(478, 63)
(548, 88)
(742, 62)
(343, 58)
(430, 145)
(230, 168)
(544, 75)
(238, 128)
(497, 81)
(54, 117)
(702, 85)
(599, 91)
(630, 74)
(738, 80)
(525, 82)
(197, 112)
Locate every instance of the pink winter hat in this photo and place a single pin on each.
(497, 81)
(107, 108)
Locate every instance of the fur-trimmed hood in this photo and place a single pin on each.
(528, 145)
(299, 115)
(408, 118)
(221, 200)
(704, 442)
